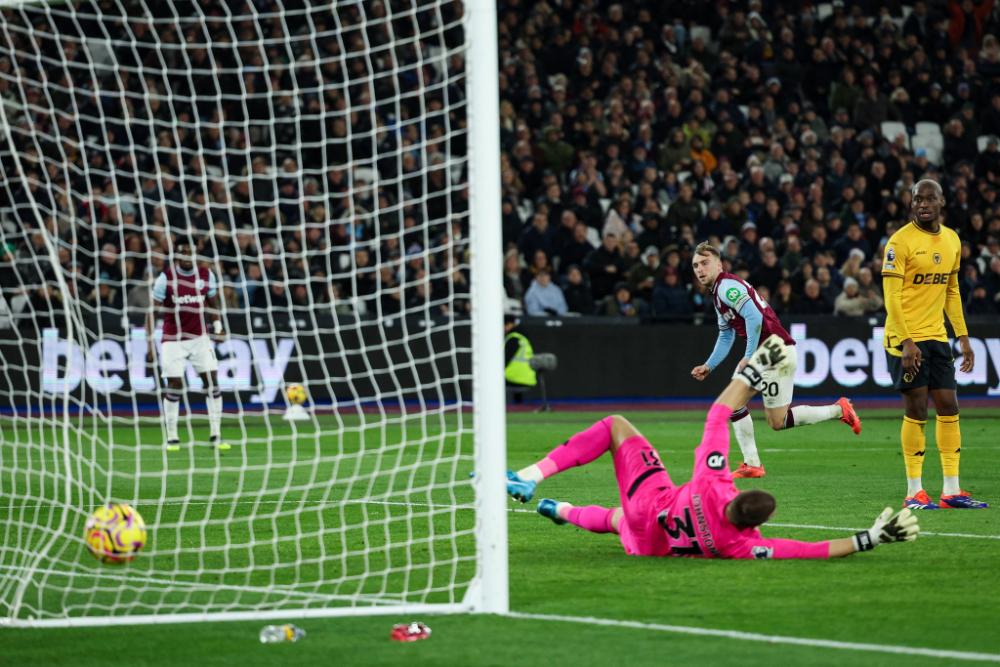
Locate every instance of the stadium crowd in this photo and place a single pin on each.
(249, 126)
(787, 133)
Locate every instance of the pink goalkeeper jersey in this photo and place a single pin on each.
(694, 521)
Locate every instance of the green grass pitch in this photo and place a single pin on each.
(938, 593)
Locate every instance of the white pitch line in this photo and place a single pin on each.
(767, 639)
(523, 510)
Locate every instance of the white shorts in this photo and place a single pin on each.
(778, 387)
(175, 354)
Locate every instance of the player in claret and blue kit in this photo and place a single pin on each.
(741, 312)
(182, 295)
(707, 517)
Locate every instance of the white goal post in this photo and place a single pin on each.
(337, 166)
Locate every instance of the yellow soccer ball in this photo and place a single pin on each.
(296, 394)
(115, 533)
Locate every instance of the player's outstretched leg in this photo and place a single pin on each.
(592, 518)
(579, 450)
(803, 415)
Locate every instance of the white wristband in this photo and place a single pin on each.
(217, 327)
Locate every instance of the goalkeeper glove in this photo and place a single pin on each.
(899, 527)
(772, 354)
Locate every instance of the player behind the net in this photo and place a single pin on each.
(742, 312)
(707, 517)
(182, 296)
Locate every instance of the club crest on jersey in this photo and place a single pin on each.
(762, 552)
(199, 284)
(715, 461)
(733, 294)
(936, 257)
(890, 256)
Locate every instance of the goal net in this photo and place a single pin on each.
(338, 172)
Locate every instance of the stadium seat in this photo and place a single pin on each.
(891, 129)
(935, 140)
(930, 144)
(702, 31)
(928, 127)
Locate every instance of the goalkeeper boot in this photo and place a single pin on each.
(550, 510)
(747, 472)
(215, 442)
(173, 445)
(920, 501)
(520, 489)
(962, 501)
(848, 415)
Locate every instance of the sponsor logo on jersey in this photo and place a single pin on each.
(186, 299)
(930, 279)
(716, 461)
(762, 552)
(733, 294)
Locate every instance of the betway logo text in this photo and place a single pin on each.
(852, 362)
(65, 364)
(185, 299)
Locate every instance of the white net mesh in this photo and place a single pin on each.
(317, 154)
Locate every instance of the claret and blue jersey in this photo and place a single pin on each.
(182, 296)
(742, 312)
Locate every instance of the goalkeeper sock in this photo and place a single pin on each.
(579, 450)
(802, 415)
(911, 434)
(214, 401)
(743, 428)
(171, 413)
(948, 434)
(594, 518)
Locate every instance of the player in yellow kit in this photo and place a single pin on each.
(920, 280)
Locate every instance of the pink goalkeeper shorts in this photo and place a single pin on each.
(643, 486)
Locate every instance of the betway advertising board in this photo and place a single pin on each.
(596, 360)
(836, 356)
(358, 362)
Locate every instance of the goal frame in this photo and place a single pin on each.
(488, 590)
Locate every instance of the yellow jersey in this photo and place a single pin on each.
(928, 263)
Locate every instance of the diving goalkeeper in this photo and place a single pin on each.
(708, 517)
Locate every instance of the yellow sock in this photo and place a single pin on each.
(912, 437)
(949, 444)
